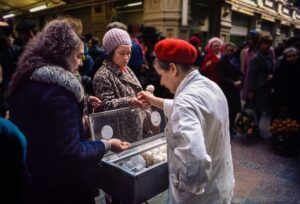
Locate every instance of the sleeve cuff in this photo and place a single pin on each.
(107, 145)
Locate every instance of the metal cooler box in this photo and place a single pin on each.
(139, 173)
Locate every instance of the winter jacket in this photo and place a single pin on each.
(47, 107)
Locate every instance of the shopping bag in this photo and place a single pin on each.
(245, 123)
(264, 125)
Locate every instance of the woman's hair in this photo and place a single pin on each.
(265, 38)
(75, 23)
(52, 46)
(116, 24)
(229, 44)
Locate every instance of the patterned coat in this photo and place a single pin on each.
(114, 88)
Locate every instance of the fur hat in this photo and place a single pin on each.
(114, 38)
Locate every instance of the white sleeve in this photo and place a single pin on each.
(167, 107)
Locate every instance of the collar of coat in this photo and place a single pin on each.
(113, 67)
(129, 77)
(61, 77)
(187, 80)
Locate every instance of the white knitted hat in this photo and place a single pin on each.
(114, 38)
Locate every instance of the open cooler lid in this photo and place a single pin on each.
(128, 124)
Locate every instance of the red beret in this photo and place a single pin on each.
(175, 50)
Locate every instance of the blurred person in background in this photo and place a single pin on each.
(212, 57)
(26, 30)
(247, 54)
(287, 83)
(260, 75)
(230, 82)
(196, 42)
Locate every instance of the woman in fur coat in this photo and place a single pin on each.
(46, 103)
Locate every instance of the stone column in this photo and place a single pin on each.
(255, 23)
(100, 16)
(291, 31)
(277, 33)
(165, 16)
(215, 18)
(225, 22)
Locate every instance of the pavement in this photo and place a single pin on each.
(261, 176)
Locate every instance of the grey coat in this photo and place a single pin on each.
(260, 67)
(114, 88)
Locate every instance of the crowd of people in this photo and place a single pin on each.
(251, 76)
(51, 79)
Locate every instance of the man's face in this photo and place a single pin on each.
(167, 77)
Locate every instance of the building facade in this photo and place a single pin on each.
(229, 19)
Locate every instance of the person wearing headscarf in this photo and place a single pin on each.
(196, 42)
(287, 83)
(198, 139)
(212, 57)
(46, 103)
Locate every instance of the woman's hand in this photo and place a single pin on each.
(135, 102)
(94, 102)
(118, 145)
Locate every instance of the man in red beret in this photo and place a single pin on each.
(197, 133)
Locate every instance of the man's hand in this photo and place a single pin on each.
(145, 97)
(94, 102)
(118, 145)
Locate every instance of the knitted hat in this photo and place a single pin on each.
(114, 38)
(175, 50)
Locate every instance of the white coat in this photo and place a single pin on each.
(198, 140)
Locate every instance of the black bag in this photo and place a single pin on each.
(245, 123)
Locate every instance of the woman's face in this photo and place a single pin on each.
(76, 58)
(291, 57)
(216, 47)
(264, 47)
(229, 50)
(122, 55)
(167, 77)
